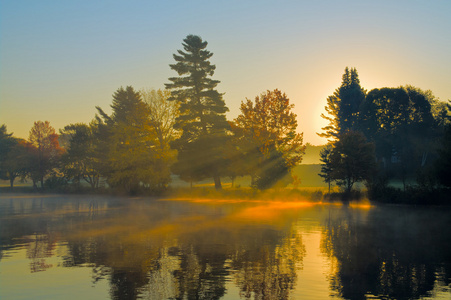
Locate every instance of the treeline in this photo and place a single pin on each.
(153, 134)
(386, 135)
(376, 137)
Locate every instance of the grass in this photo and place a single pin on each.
(311, 187)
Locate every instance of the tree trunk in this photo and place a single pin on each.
(424, 158)
(11, 181)
(217, 179)
(403, 178)
(349, 186)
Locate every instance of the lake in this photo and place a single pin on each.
(98, 247)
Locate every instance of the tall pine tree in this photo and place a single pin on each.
(202, 118)
(343, 106)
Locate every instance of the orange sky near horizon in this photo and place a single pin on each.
(60, 60)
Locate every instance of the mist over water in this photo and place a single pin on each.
(128, 248)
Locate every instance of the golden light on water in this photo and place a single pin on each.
(162, 249)
(363, 206)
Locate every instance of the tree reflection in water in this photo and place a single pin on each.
(181, 250)
(164, 250)
(391, 253)
(205, 252)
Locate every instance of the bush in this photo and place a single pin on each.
(316, 196)
(416, 195)
(56, 183)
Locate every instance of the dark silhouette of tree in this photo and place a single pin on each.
(326, 165)
(343, 106)
(18, 158)
(388, 253)
(79, 160)
(384, 115)
(7, 142)
(265, 133)
(401, 124)
(352, 160)
(14, 156)
(440, 110)
(202, 120)
(424, 130)
(443, 164)
(48, 152)
(17, 161)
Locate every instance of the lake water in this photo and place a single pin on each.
(85, 247)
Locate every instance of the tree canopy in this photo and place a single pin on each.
(404, 123)
(202, 120)
(79, 161)
(133, 158)
(352, 160)
(47, 150)
(6, 144)
(344, 105)
(13, 156)
(153, 134)
(266, 135)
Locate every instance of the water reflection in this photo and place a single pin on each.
(391, 253)
(224, 250)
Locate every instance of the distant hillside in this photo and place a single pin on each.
(312, 154)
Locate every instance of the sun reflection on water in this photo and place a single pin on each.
(219, 248)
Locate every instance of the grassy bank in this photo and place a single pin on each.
(311, 188)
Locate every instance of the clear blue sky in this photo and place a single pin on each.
(59, 59)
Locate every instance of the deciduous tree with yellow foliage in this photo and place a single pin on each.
(265, 133)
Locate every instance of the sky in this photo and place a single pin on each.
(61, 59)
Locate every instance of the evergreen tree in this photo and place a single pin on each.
(7, 142)
(132, 157)
(202, 120)
(351, 95)
(343, 106)
(326, 166)
(352, 160)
